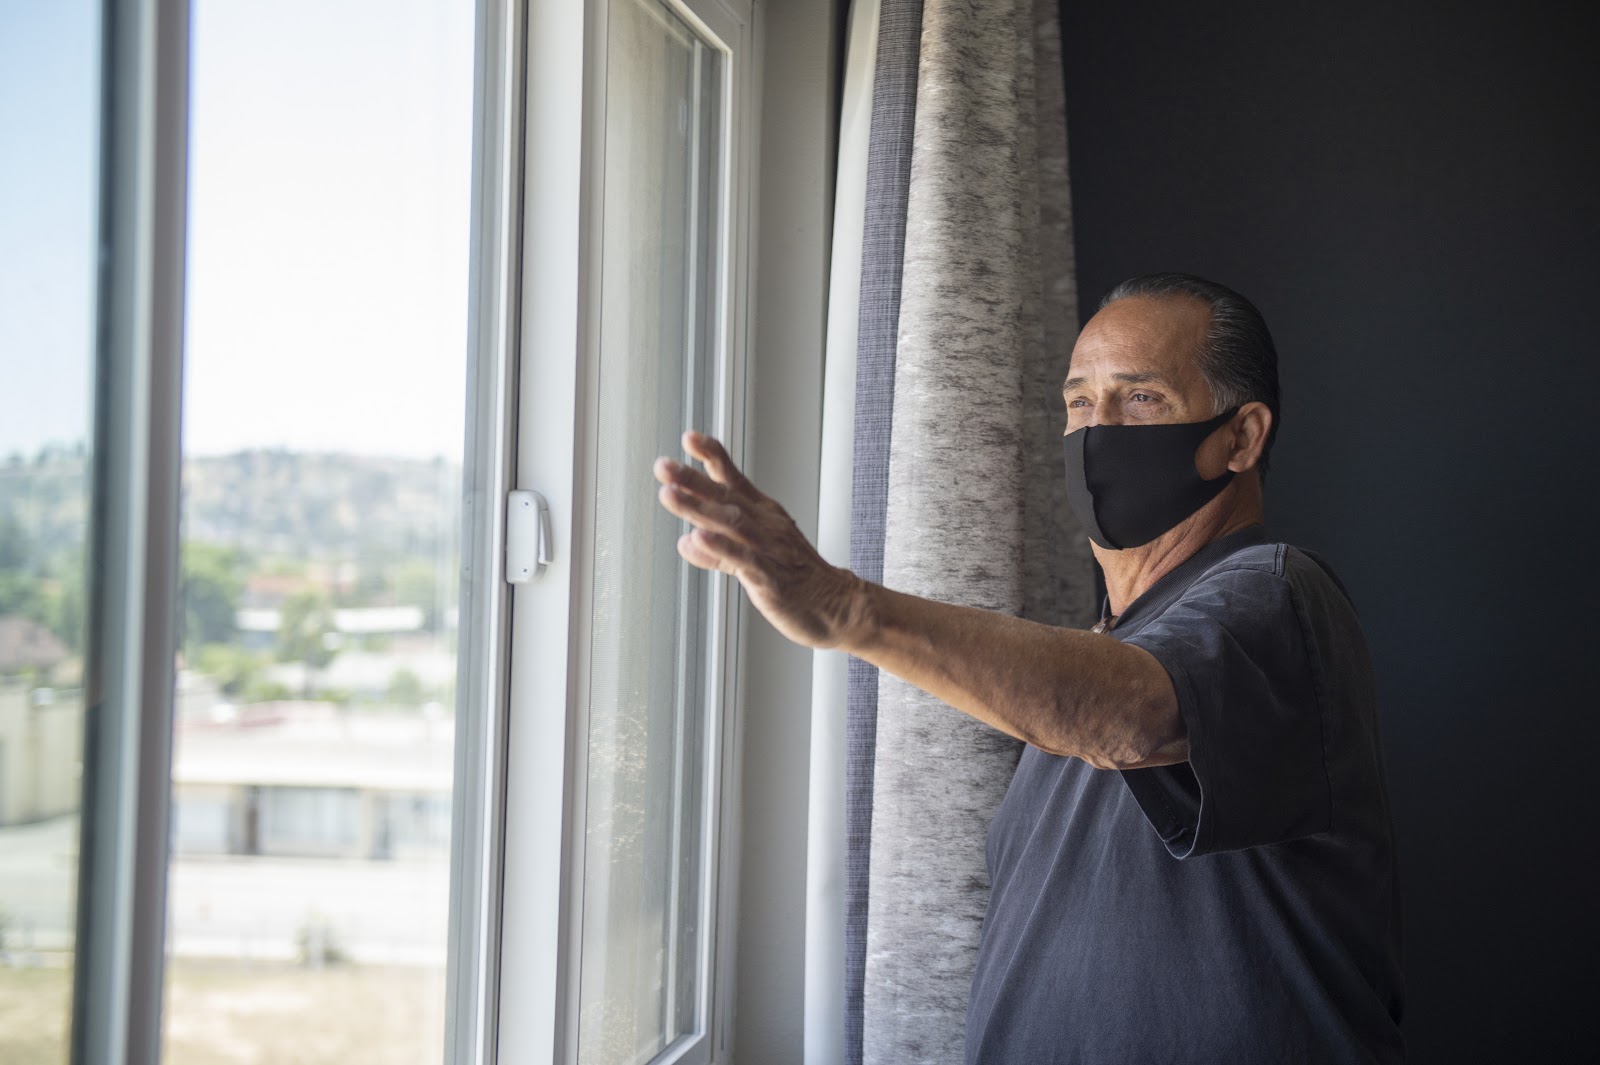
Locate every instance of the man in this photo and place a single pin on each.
(1194, 862)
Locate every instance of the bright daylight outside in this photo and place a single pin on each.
(49, 116)
(329, 202)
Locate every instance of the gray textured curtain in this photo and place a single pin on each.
(967, 318)
(894, 101)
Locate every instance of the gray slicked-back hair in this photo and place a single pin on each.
(1237, 357)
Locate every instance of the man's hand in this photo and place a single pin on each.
(742, 532)
(1065, 691)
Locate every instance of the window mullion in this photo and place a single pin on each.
(134, 600)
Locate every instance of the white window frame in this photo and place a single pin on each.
(540, 82)
(546, 741)
(479, 780)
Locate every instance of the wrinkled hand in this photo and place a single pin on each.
(740, 531)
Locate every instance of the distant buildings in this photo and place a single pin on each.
(369, 778)
(286, 779)
(308, 780)
(41, 739)
(258, 626)
(41, 728)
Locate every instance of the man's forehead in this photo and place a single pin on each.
(1141, 341)
(1130, 377)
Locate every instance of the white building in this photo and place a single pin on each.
(304, 779)
(41, 741)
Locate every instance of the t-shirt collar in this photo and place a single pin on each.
(1171, 585)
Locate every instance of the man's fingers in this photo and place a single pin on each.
(709, 550)
(709, 450)
(705, 513)
(689, 479)
(713, 501)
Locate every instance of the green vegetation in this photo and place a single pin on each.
(305, 630)
(42, 583)
(405, 689)
(238, 672)
(213, 582)
(303, 534)
(306, 633)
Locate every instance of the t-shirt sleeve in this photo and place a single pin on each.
(1235, 648)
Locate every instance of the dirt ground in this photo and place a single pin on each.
(250, 1013)
(33, 1015)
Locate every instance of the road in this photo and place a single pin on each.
(392, 912)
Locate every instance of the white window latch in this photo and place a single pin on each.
(528, 539)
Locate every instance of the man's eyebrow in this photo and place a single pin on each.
(1125, 378)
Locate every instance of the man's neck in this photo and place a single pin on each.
(1131, 572)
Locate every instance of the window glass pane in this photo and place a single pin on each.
(325, 377)
(49, 187)
(645, 845)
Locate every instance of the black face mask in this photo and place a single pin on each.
(1128, 484)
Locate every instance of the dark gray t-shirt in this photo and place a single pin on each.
(1239, 908)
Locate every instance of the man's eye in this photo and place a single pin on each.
(1071, 403)
(1143, 397)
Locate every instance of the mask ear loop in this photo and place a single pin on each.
(1211, 427)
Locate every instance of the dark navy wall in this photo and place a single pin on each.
(1411, 195)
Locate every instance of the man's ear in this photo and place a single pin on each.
(1250, 428)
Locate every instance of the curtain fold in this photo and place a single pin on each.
(958, 488)
(825, 825)
(894, 100)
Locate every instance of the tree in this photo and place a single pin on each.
(24, 591)
(373, 580)
(67, 599)
(22, 596)
(234, 669)
(213, 581)
(47, 589)
(405, 688)
(306, 633)
(16, 546)
(417, 583)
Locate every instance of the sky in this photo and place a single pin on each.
(48, 82)
(329, 206)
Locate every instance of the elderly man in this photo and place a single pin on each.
(1194, 862)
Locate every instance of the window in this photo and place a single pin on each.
(345, 792)
(636, 859)
(646, 841)
(325, 378)
(49, 116)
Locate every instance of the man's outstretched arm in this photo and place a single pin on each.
(1064, 691)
